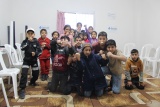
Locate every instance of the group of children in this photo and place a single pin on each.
(80, 61)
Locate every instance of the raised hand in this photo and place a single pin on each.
(77, 55)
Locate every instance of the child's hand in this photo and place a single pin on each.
(59, 42)
(77, 55)
(33, 53)
(30, 38)
(103, 56)
(101, 52)
(67, 33)
(141, 83)
(109, 54)
(129, 83)
(69, 60)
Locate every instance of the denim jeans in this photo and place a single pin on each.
(97, 92)
(115, 80)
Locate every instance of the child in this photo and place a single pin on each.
(134, 67)
(32, 50)
(55, 36)
(45, 56)
(78, 44)
(67, 30)
(73, 33)
(85, 37)
(93, 78)
(75, 75)
(100, 46)
(91, 34)
(59, 65)
(79, 29)
(93, 37)
(115, 58)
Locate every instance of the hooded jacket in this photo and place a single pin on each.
(31, 46)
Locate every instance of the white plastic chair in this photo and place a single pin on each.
(127, 49)
(4, 92)
(154, 62)
(19, 52)
(13, 72)
(13, 57)
(145, 51)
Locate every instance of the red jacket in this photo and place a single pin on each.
(46, 50)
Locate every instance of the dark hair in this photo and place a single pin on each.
(102, 34)
(94, 32)
(90, 27)
(110, 42)
(66, 27)
(134, 51)
(65, 37)
(54, 33)
(79, 23)
(77, 37)
(43, 30)
(85, 34)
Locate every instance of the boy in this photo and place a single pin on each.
(78, 44)
(75, 75)
(100, 46)
(45, 56)
(59, 65)
(134, 67)
(115, 67)
(32, 50)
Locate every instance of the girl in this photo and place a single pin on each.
(93, 38)
(67, 30)
(55, 35)
(45, 56)
(93, 78)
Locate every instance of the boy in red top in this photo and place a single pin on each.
(45, 56)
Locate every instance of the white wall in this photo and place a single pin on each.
(147, 19)
(35, 13)
(4, 20)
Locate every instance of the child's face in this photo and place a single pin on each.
(81, 36)
(72, 32)
(87, 51)
(55, 36)
(30, 34)
(43, 34)
(74, 58)
(64, 42)
(67, 30)
(134, 56)
(90, 29)
(94, 35)
(102, 40)
(78, 41)
(111, 48)
(79, 26)
(85, 37)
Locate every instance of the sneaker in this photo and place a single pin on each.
(42, 77)
(46, 77)
(22, 94)
(33, 84)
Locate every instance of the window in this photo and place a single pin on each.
(73, 18)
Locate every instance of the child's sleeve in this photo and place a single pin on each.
(100, 60)
(53, 46)
(38, 50)
(24, 45)
(127, 70)
(141, 72)
(80, 65)
(48, 46)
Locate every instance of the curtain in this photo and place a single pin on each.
(60, 22)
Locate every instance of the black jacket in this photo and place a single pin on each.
(31, 46)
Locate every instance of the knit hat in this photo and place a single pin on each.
(86, 45)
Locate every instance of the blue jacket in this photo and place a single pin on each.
(93, 77)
